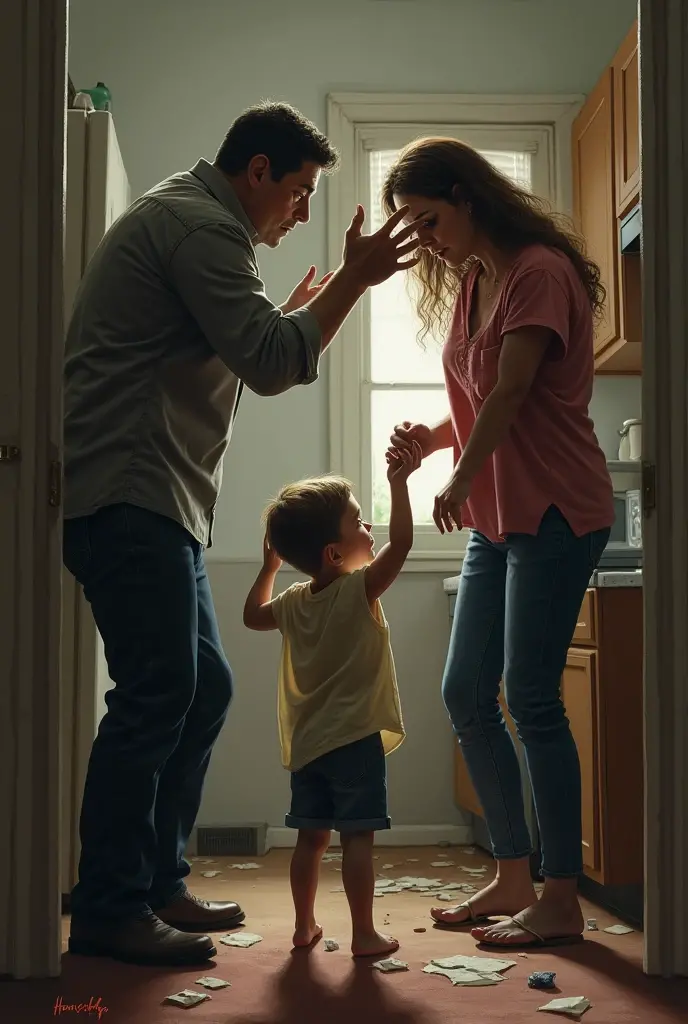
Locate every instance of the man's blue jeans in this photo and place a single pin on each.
(516, 611)
(144, 577)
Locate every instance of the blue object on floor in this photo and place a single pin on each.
(542, 979)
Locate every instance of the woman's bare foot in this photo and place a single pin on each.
(373, 944)
(547, 918)
(501, 898)
(306, 935)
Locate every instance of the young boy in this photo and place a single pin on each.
(338, 704)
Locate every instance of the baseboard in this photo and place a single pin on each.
(398, 835)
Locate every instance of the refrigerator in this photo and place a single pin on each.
(96, 193)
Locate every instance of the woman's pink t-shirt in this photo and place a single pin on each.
(551, 455)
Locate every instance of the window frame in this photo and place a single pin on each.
(356, 124)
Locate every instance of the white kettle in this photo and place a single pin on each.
(631, 444)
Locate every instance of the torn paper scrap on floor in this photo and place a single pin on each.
(470, 850)
(245, 867)
(390, 964)
(474, 871)
(442, 864)
(210, 874)
(460, 976)
(412, 860)
(618, 929)
(187, 997)
(419, 883)
(474, 963)
(243, 939)
(327, 857)
(331, 945)
(212, 982)
(470, 970)
(571, 1007)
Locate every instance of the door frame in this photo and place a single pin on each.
(664, 194)
(34, 32)
(33, 73)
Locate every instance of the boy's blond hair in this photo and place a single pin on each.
(304, 518)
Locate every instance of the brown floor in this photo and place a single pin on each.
(270, 985)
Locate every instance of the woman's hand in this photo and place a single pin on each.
(447, 510)
(304, 291)
(406, 433)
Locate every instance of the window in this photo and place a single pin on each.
(381, 374)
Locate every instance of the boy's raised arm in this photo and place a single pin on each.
(258, 613)
(389, 561)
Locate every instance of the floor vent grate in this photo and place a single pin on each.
(249, 840)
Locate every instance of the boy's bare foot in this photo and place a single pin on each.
(498, 899)
(306, 935)
(374, 944)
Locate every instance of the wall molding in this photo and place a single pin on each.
(431, 564)
(282, 838)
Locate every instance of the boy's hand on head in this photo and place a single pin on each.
(271, 560)
(401, 462)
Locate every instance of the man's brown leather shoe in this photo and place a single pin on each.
(140, 940)
(188, 913)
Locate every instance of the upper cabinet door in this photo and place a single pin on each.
(594, 197)
(627, 122)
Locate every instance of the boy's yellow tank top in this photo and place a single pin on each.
(337, 682)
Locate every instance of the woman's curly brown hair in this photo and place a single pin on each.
(508, 215)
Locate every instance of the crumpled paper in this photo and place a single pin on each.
(244, 867)
(391, 964)
(209, 982)
(210, 874)
(242, 939)
(470, 970)
(331, 945)
(570, 1007)
(187, 997)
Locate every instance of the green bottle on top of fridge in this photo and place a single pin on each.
(101, 96)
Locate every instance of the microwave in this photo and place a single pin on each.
(624, 549)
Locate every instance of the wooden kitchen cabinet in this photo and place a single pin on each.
(594, 198)
(578, 692)
(602, 691)
(627, 122)
(605, 144)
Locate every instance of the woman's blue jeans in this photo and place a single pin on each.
(516, 611)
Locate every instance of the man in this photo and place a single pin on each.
(170, 322)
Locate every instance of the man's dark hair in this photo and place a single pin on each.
(279, 132)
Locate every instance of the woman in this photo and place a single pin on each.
(518, 297)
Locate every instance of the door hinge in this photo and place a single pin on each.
(55, 489)
(649, 474)
(9, 453)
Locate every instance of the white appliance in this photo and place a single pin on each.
(97, 192)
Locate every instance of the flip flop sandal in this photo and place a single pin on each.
(539, 943)
(471, 921)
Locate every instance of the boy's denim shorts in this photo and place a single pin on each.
(344, 790)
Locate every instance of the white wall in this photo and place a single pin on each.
(179, 72)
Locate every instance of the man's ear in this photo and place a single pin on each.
(258, 168)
